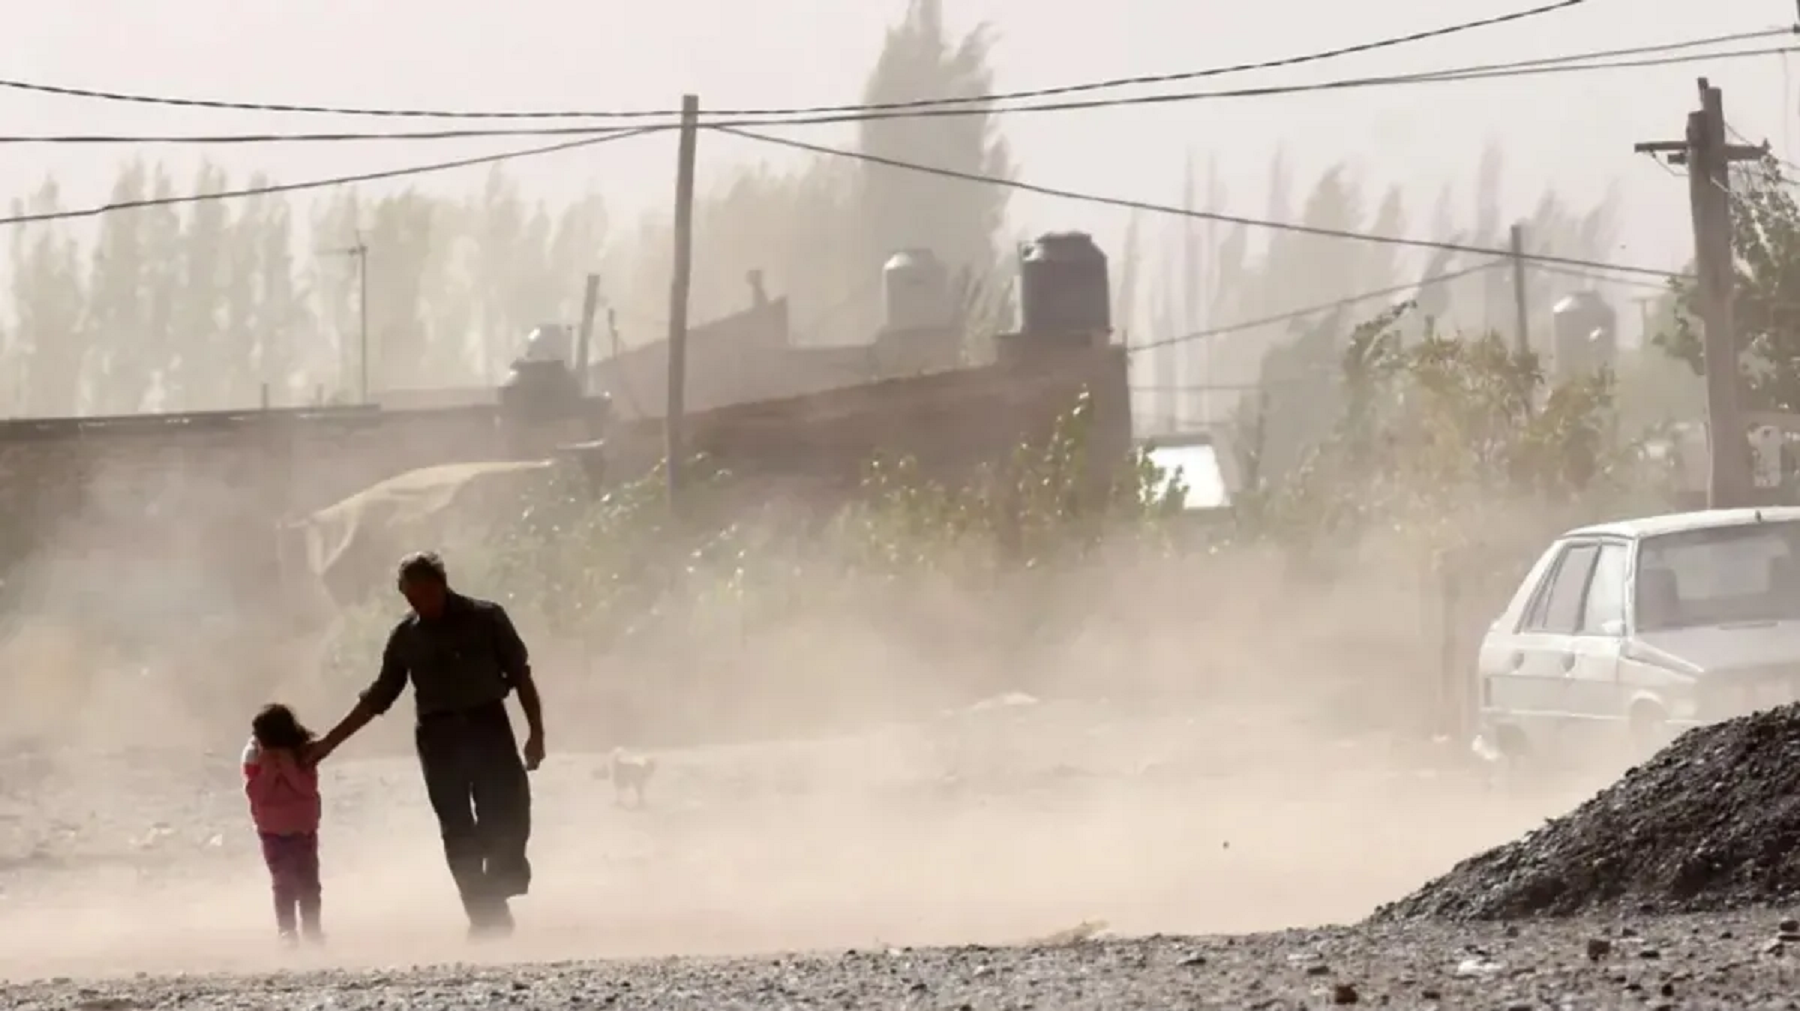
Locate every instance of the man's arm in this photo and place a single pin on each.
(378, 698)
(515, 663)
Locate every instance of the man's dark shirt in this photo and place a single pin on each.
(470, 656)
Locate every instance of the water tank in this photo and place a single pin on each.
(550, 342)
(915, 290)
(1586, 332)
(1063, 287)
(542, 386)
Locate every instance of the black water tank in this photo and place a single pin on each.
(1063, 286)
(1586, 330)
(542, 386)
(915, 290)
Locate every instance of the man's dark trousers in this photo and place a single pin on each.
(479, 789)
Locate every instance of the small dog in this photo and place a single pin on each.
(629, 774)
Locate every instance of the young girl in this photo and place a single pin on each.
(284, 804)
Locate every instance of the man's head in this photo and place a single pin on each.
(424, 583)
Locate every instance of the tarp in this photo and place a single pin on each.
(350, 547)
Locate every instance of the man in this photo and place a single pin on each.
(463, 658)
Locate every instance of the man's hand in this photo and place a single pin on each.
(534, 752)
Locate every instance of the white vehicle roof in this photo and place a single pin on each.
(1677, 523)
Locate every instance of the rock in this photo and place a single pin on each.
(1344, 993)
(1477, 967)
(1598, 948)
(1789, 926)
(1660, 840)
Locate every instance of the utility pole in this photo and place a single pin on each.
(590, 303)
(681, 277)
(1523, 334)
(360, 253)
(1708, 159)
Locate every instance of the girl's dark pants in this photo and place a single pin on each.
(476, 780)
(293, 862)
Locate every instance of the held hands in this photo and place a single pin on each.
(316, 752)
(534, 752)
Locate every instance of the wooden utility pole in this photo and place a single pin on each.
(1522, 336)
(1708, 158)
(675, 414)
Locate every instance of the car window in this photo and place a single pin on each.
(1557, 610)
(1605, 590)
(1719, 575)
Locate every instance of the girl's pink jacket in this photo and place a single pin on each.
(284, 794)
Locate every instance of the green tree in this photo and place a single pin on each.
(399, 240)
(123, 366)
(195, 381)
(332, 280)
(900, 209)
(499, 219)
(1766, 304)
(162, 283)
(49, 301)
(283, 322)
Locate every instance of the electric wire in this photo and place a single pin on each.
(314, 184)
(1048, 92)
(1155, 208)
(1569, 63)
(1312, 310)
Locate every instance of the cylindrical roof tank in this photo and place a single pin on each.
(915, 291)
(1063, 286)
(1586, 331)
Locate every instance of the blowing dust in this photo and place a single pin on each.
(1213, 747)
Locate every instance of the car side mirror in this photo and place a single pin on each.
(1613, 626)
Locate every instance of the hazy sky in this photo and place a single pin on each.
(1573, 131)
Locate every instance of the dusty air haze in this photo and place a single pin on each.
(1202, 759)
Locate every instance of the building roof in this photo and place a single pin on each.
(1678, 523)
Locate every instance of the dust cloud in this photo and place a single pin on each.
(1210, 744)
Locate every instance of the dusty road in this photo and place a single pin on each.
(1002, 823)
(1732, 962)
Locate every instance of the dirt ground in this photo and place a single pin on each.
(1201, 763)
(1008, 820)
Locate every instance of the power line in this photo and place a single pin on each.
(1569, 63)
(1067, 89)
(1768, 151)
(314, 184)
(1154, 208)
(1313, 310)
(1588, 275)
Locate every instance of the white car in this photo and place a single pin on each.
(1624, 633)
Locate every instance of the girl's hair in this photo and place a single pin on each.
(276, 726)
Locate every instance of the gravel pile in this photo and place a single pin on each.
(1710, 823)
(1734, 961)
